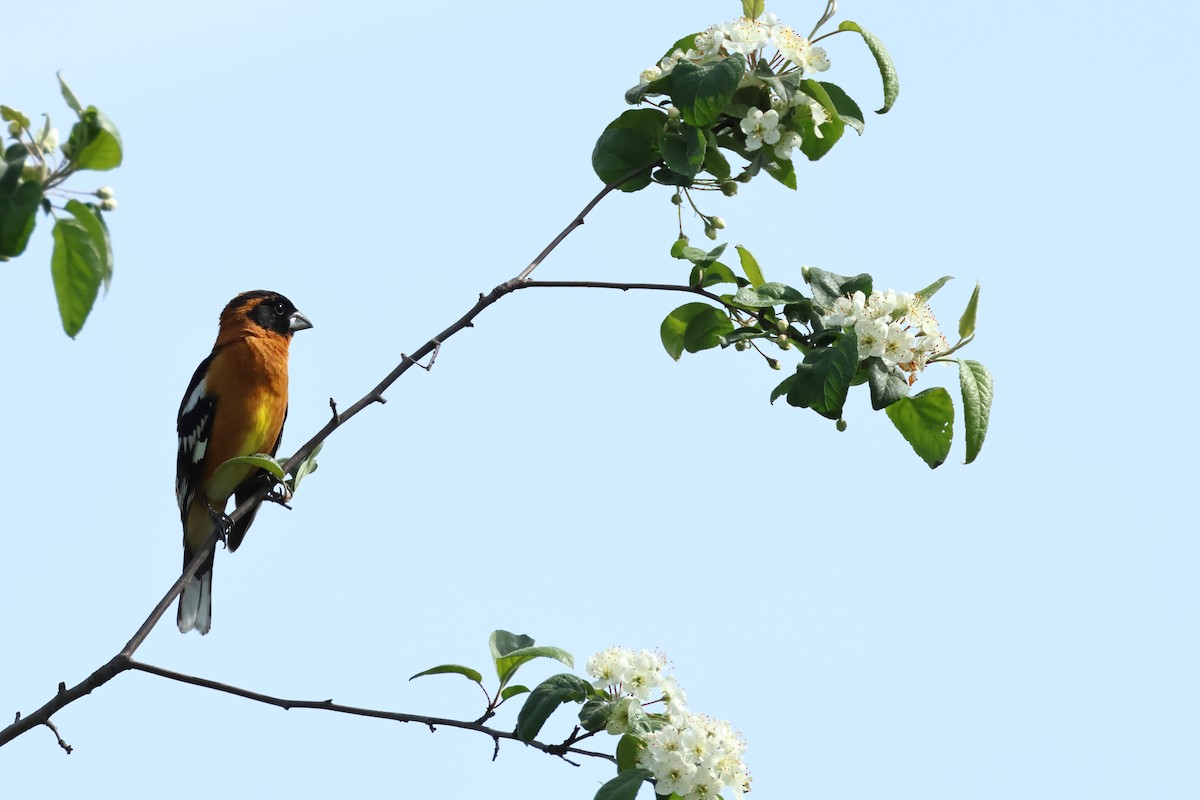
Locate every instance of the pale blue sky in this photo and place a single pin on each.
(1022, 627)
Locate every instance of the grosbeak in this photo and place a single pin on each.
(235, 406)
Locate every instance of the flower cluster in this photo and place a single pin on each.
(794, 54)
(896, 327)
(690, 755)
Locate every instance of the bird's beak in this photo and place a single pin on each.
(298, 322)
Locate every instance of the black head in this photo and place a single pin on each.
(269, 310)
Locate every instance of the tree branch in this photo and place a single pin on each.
(432, 723)
(124, 659)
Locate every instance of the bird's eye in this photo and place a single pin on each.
(281, 309)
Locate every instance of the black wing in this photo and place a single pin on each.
(194, 425)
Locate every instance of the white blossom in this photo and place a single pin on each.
(872, 335)
(745, 36)
(761, 127)
(788, 141)
(898, 347)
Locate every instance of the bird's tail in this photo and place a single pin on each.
(195, 602)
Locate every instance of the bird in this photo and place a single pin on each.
(235, 405)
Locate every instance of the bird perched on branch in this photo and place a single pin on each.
(235, 406)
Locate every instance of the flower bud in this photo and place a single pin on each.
(710, 231)
(741, 345)
(774, 364)
(841, 425)
(784, 343)
(673, 114)
(677, 199)
(14, 129)
(108, 204)
(716, 222)
(106, 193)
(728, 188)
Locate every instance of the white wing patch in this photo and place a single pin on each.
(194, 428)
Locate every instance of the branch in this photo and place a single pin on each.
(559, 750)
(124, 659)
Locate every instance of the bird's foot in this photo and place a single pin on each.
(223, 523)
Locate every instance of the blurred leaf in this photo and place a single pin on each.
(9, 114)
(625, 786)
(683, 151)
(976, 384)
(94, 143)
(927, 421)
(77, 271)
(545, 698)
(453, 669)
(966, 324)
(888, 384)
(750, 266)
(822, 381)
(767, 295)
(932, 289)
(307, 467)
(752, 9)
(91, 220)
(258, 461)
(69, 96)
(508, 665)
(627, 752)
(513, 691)
(18, 207)
(629, 142)
(712, 275)
(847, 109)
(887, 70)
(816, 141)
(701, 92)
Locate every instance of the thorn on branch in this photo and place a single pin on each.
(333, 408)
(496, 748)
(432, 729)
(62, 687)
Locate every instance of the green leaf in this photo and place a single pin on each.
(513, 691)
(887, 70)
(628, 143)
(966, 324)
(752, 9)
(683, 151)
(679, 246)
(502, 643)
(694, 327)
(750, 267)
(887, 383)
(767, 295)
(636, 94)
(69, 96)
(847, 109)
(258, 461)
(932, 289)
(307, 467)
(711, 275)
(976, 384)
(452, 669)
(715, 163)
(829, 286)
(686, 43)
(811, 144)
(927, 421)
(10, 114)
(783, 388)
(743, 335)
(545, 698)
(627, 752)
(94, 143)
(513, 661)
(625, 786)
(18, 207)
(823, 379)
(77, 271)
(91, 220)
(701, 92)
(594, 715)
(783, 171)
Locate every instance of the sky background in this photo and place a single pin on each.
(1025, 626)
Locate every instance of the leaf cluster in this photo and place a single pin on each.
(82, 258)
